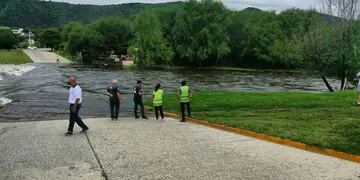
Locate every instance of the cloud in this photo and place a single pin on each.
(277, 5)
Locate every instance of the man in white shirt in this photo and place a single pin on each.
(75, 99)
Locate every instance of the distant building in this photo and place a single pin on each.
(18, 31)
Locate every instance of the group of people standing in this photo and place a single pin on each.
(75, 98)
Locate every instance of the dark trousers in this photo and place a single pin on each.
(157, 109)
(74, 117)
(182, 106)
(114, 109)
(139, 102)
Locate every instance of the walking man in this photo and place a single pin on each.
(114, 98)
(75, 99)
(184, 98)
(138, 93)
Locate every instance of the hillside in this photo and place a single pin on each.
(34, 13)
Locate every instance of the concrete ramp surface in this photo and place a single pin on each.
(45, 56)
(151, 149)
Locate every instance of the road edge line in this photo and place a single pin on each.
(273, 139)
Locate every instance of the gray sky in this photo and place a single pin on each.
(277, 5)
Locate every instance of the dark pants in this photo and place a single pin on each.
(182, 105)
(114, 109)
(74, 117)
(139, 102)
(157, 109)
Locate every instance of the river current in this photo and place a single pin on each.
(35, 92)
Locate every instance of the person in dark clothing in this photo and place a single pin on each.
(114, 99)
(138, 93)
(75, 99)
(184, 97)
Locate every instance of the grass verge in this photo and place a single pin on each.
(326, 120)
(13, 57)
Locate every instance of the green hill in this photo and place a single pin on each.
(35, 13)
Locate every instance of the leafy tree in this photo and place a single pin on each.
(238, 36)
(86, 41)
(115, 32)
(7, 39)
(317, 53)
(263, 32)
(148, 45)
(345, 37)
(199, 31)
(296, 21)
(286, 52)
(50, 38)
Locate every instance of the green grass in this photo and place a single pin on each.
(13, 57)
(325, 120)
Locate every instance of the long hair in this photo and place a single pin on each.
(157, 87)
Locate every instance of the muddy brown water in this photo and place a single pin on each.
(41, 93)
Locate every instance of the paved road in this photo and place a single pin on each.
(45, 56)
(149, 149)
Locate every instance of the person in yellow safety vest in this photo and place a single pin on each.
(184, 97)
(157, 101)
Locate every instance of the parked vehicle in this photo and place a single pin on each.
(32, 47)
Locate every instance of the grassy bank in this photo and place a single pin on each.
(13, 57)
(65, 55)
(327, 120)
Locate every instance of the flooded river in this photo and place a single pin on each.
(35, 92)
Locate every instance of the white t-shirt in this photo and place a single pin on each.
(75, 93)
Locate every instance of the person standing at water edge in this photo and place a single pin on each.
(184, 97)
(75, 100)
(358, 87)
(114, 98)
(157, 101)
(138, 93)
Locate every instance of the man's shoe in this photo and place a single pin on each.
(84, 130)
(136, 117)
(68, 133)
(144, 117)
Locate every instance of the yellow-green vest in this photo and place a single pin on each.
(158, 95)
(184, 94)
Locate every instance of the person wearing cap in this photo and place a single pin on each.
(114, 94)
(184, 97)
(157, 101)
(75, 100)
(138, 93)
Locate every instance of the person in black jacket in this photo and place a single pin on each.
(114, 98)
(138, 93)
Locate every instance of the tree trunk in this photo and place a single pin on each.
(343, 81)
(327, 84)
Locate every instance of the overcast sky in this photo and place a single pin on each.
(277, 5)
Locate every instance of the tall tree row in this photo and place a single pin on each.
(205, 33)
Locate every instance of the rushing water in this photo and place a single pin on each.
(38, 92)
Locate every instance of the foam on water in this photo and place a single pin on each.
(16, 70)
(4, 101)
(12, 70)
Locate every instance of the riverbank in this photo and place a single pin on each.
(325, 120)
(13, 57)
